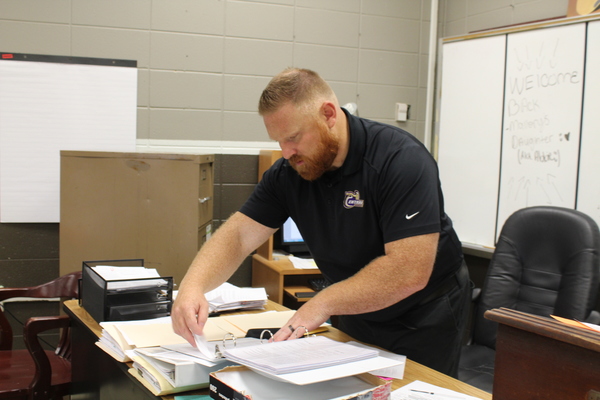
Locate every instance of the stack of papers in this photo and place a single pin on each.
(298, 355)
(120, 336)
(126, 277)
(315, 359)
(230, 297)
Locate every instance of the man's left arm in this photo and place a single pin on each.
(404, 270)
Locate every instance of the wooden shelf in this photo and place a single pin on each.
(276, 276)
(292, 290)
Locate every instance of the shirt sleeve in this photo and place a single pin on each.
(266, 204)
(409, 195)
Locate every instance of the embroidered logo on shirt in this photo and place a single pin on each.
(412, 215)
(352, 199)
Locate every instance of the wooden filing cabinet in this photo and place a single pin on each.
(157, 207)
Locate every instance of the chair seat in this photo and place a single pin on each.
(477, 366)
(17, 370)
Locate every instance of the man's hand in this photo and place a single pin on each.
(308, 318)
(216, 261)
(189, 315)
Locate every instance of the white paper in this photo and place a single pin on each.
(308, 351)
(112, 273)
(396, 371)
(231, 297)
(207, 350)
(419, 390)
(209, 356)
(592, 326)
(303, 263)
(298, 355)
(333, 372)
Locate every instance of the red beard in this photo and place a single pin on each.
(312, 167)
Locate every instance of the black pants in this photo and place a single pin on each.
(430, 333)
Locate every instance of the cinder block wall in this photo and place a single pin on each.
(203, 63)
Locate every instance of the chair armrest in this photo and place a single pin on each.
(33, 327)
(594, 318)
(6, 332)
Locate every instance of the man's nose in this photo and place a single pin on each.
(287, 150)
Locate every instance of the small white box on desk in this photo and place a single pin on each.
(241, 383)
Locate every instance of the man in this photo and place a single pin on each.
(367, 200)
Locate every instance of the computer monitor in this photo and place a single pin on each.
(289, 239)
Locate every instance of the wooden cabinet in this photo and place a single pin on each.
(278, 276)
(158, 207)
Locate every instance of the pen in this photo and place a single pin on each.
(421, 391)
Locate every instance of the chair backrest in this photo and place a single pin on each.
(546, 262)
(66, 286)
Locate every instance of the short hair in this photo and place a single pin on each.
(296, 85)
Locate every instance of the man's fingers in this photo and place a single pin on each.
(285, 332)
(186, 324)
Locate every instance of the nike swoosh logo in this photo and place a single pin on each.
(412, 215)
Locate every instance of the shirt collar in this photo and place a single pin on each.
(356, 147)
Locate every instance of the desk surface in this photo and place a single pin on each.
(413, 370)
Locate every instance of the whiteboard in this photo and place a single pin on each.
(549, 140)
(49, 104)
(542, 119)
(469, 142)
(588, 192)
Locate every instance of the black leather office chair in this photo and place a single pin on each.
(546, 262)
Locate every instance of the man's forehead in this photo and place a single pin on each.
(285, 121)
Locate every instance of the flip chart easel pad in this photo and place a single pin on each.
(46, 107)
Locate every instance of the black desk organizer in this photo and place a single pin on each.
(140, 298)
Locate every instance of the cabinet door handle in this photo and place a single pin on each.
(204, 199)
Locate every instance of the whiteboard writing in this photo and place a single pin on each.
(542, 117)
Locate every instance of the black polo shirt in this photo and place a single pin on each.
(387, 189)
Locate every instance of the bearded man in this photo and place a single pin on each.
(367, 200)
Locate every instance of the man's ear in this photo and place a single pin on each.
(329, 112)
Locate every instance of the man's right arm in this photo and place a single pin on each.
(216, 261)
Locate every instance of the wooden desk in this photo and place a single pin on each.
(540, 358)
(278, 275)
(96, 375)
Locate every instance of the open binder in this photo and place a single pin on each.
(312, 359)
(302, 361)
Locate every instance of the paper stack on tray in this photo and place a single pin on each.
(230, 297)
